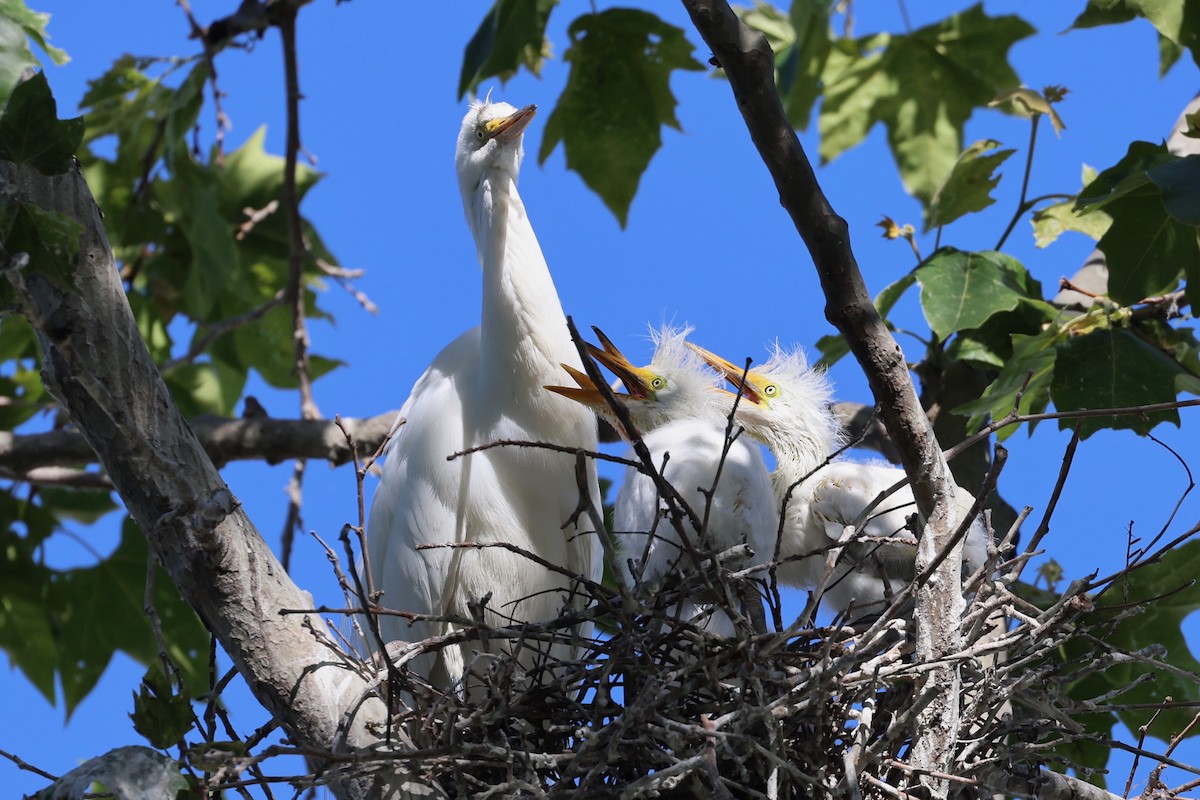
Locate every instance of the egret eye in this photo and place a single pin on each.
(770, 390)
(480, 134)
(658, 384)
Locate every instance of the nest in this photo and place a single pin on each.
(656, 706)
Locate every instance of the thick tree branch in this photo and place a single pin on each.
(750, 66)
(251, 439)
(98, 368)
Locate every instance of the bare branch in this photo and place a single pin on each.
(258, 438)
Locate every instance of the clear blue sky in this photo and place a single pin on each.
(707, 243)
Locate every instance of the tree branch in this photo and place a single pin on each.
(98, 368)
(250, 439)
(750, 66)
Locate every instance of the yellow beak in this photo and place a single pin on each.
(505, 129)
(585, 393)
(748, 386)
(635, 379)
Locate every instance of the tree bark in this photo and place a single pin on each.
(224, 440)
(749, 64)
(98, 368)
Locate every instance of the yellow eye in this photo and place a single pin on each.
(770, 390)
(658, 384)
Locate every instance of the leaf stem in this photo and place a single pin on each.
(1022, 204)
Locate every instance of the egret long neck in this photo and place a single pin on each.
(523, 329)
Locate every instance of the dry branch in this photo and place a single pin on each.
(749, 64)
(98, 368)
(225, 440)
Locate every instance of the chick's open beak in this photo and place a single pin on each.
(586, 392)
(505, 129)
(749, 386)
(636, 379)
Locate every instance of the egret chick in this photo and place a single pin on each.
(675, 404)
(483, 387)
(785, 405)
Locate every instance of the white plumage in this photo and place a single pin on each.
(675, 405)
(485, 386)
(785, 405)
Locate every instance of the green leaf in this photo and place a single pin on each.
(1179, 182)
(189, 202)
(511, 35)
(1145, 248)
(267, 347)
(968, 187)
(1165, 593)
(212, 388)
(923, 87)
(1149, 243)
(31, 132)
(160, 714)
(1110, 368)
(252, 177)
(34, 25)
(962, 290)
(1173, 19)
(49, 238)
(17, 26)
(100, 609)
(1123, 177)
(616, 100)
(1052, 221)
(801, 42)
(1032, 359)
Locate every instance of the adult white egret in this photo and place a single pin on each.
(785, 405)
(486, 386)
(675, 405)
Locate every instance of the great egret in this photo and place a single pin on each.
(675, 405)
(486, 386)
(785, 405)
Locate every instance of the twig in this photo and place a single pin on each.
(1022, 205)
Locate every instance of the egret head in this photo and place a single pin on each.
(674, 385)
(490, 139)
(784, 404)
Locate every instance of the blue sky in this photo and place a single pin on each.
(706, 243)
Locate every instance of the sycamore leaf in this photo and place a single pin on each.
(31, 132)
(1112, 368)
(801, 42)
(1123, 177)
(1173, 19)
(1150, 243)
(1145, 248)
(511, 35)
(101, 609)
(18, 24)
(617, 98)
(968, 187)
(922, 86)
(962, 290)
(1052, 221)
(1032, 359)
(1179, 182)
(49, 238)
(160, 714)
